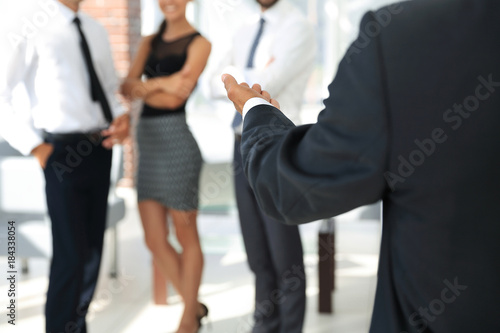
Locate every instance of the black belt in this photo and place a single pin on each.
(94, 136)
(149, 111)
(237, 137)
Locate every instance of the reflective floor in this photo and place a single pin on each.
(125, 305)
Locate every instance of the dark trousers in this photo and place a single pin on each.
(77, 184)
(275, 256)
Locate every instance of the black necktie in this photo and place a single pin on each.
(237, 117)
(96, 90)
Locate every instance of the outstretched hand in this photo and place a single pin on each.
(239, 94)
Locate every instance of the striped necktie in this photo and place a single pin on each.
(237, 117)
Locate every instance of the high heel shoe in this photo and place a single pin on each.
(203, 314)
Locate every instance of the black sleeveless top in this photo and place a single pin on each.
(165, 59)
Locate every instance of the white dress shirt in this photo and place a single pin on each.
(51, 65)
(284, 58)
(254, 101)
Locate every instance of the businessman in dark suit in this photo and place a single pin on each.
(413, 119)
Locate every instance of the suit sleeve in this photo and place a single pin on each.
(306, 173)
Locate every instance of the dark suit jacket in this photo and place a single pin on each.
(413, 118)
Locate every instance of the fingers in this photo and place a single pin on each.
(116, 132)
(234, 91)
(183, 89)
(108, 143)
(269, 62)
(266, 96)
(108, 132)
(45, 158)
(183, 92)
(229, 81)
(109, 137)
(42, 153)
(239, 94)
(275, 103)
(257, 88)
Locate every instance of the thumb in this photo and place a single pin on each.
(229, 81)
(275, 103)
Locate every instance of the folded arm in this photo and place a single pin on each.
(293, 54)
(170, 91)
(133, 87)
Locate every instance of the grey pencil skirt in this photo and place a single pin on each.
(169, 162)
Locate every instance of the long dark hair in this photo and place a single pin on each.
(157, 38)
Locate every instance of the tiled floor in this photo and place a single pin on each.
(125, 305)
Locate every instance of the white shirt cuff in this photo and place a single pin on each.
(254, 101)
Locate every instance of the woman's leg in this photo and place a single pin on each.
(154, 221)
(191, 265)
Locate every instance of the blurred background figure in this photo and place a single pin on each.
(277, 49)
(412, 119)
(335, 23)
(169, 158)
(69, 75)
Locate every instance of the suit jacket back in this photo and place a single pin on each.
(439, 263)
(413, 118)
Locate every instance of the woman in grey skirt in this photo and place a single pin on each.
(169, 157)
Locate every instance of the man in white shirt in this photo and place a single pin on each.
(277, 49)
(74, 120)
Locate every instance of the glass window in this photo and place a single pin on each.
(336, 23)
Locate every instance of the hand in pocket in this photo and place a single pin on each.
(42, 153)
